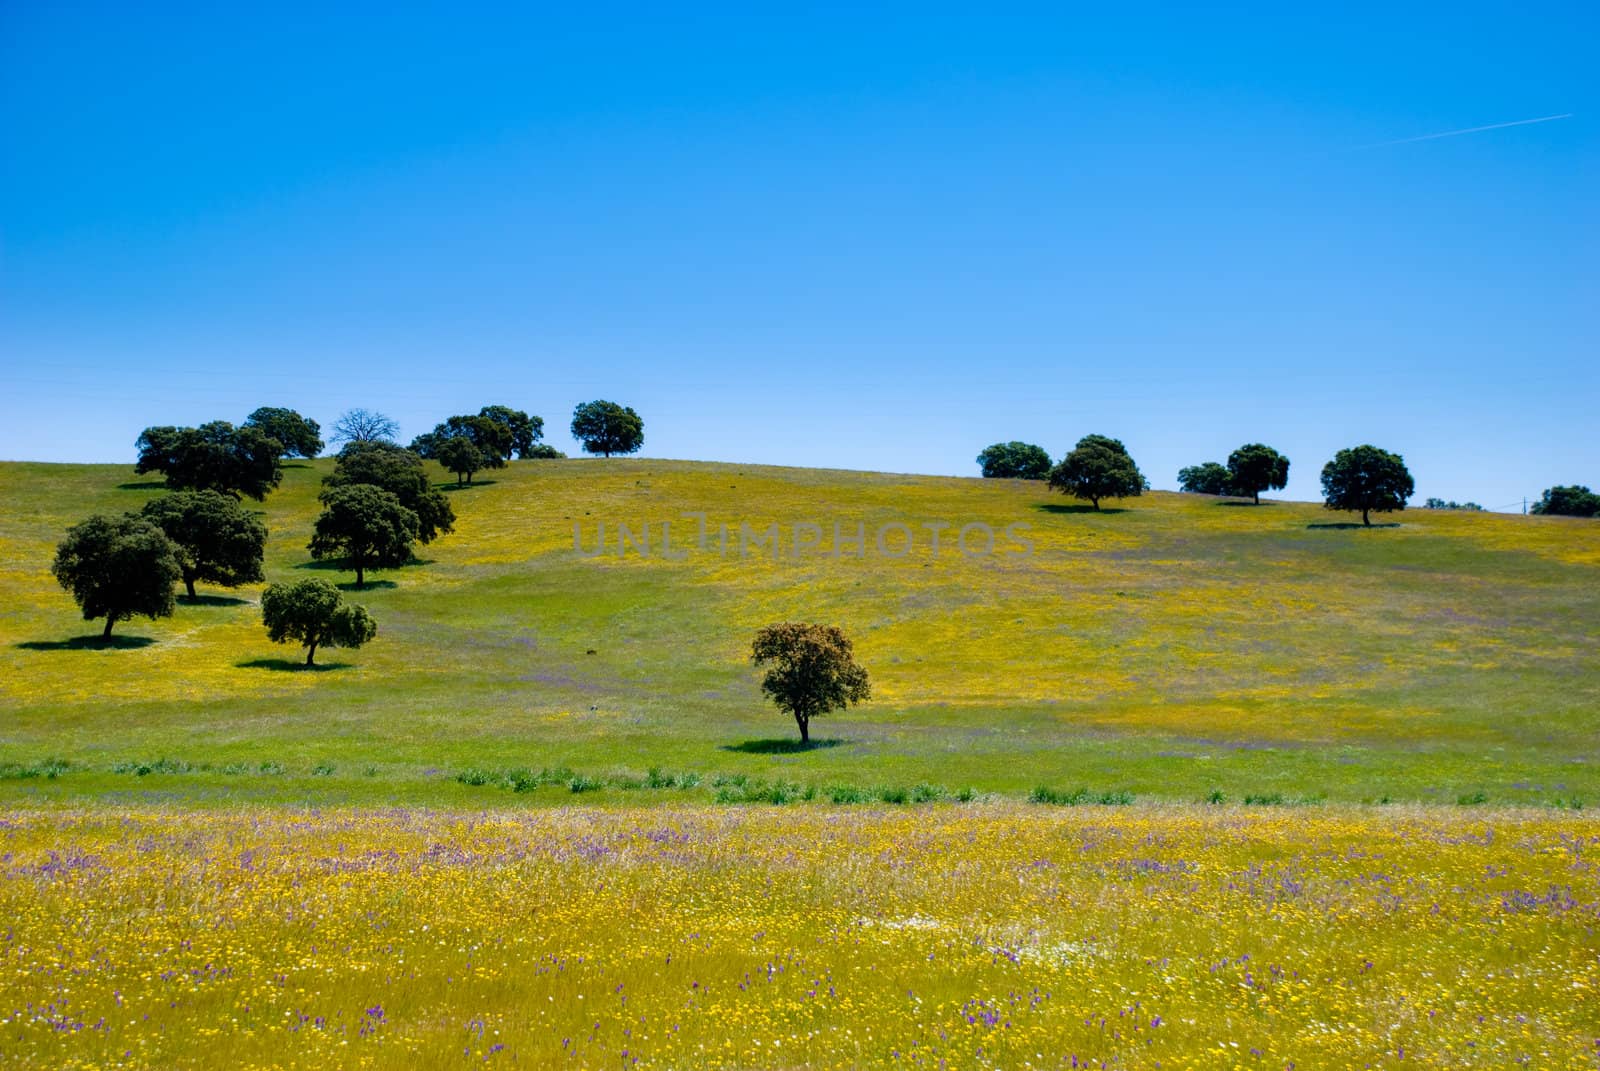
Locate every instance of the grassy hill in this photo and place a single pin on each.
(1174, 647)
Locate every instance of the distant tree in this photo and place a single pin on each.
(312, 614)
(363, 527)
(543, 451)
(1573, 501)
(116, 567)
(364, 426)
(213, 457)
(1367, 479)
(215, 539)
(491, 438)
(1098, 467)
(1208, 478)
(1014, 461)
(1255, 467)
(1439, 503)
(813, 671)
(607, 428)
(401, 473)
(459, 456)
(525, 430)
(301, 437)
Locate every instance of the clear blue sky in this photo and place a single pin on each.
(867, 239)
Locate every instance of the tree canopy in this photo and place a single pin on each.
(1209, 478)
(215, 539)
(1256, 467)
(117, 567)
(607, 428)
(1367, 479)
(401, 473)
(1098, 467)
(364, 426)
(813, 671)
(525, 430)
(300, 436)
(459, 456)
(312, 613)
(213, 457)
(363, 527)
(1572, 501)
(491, 438)
(1014, 461)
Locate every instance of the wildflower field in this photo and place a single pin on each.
(957, 936)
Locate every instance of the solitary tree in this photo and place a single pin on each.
(116, 567)
(813, 671)
(1098, 467)
(492, 439)
(364, 426)
(1254, 468)
(525, 430)
(459, 456)
(1368, 479)
(1208, 478)
(363, 527)
(401, 473)
(312, 614)
(607, 428)
(1014, 461)
(1573, 501)
(213, 457)
(215, 539)
(300, 436)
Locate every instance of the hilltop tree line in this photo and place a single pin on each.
(1363, 479)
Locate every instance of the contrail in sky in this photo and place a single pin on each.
(1470, 130)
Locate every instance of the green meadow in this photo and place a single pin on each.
(1170, 647)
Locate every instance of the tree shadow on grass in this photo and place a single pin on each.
(451, 485)
(370, 585)
(1344, 526)
(212, 600)
(1059, 507)
(89, 643)
(1240, 502)
(785, 746)
(292, 665)
(143, 485)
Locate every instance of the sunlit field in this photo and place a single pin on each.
(955, 936)
(1172, 646)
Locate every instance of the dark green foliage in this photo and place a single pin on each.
(1472, 799)
(300, 436)
(215, 538)
(813, 671)
(491, 438)
(364, 426)
(49, 769)
(1014, 461)
(1367, 479)
(607, 428)
(1079, 797)
(1256, 467)
(1439, 503)
(1575, 501)
(542, 451)
(1209, 478)
(458, 455)
(213, 457)
(116, 567)
(364, 527)
(313, 614)
(526, 430)
(1098, 467)
(401, 473)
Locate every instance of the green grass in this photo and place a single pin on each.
(1174, 650)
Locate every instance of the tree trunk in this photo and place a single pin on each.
(188, 582)
(1365, 519)
(106, 635)
(1258, 497)
(1096, 502)
(311, 653)
(361, 574)
(805, 729)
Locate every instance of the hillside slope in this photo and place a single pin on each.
(1172, 646)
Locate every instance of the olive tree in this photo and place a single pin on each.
(117, 567)
(813, 671)
(1367, 479)
(313, 614)
(1014, 461)
(401, 473)
(363, 527)
(215, 539)
(1255, 467)
(607, 428)
(1098, 467)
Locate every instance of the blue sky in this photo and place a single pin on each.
(861, 239)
